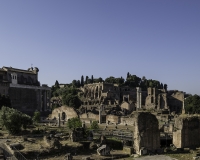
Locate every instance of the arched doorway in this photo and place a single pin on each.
(63, 116)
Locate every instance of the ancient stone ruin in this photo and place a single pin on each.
(103, 148)
(145, 132)
(187, 132)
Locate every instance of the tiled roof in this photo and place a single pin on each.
(17, 70)
(2, 70)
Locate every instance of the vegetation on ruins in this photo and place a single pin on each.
(14, 120)
(36, 117)
(54, 89)
(74, 123)
(68, 95)
(70, 98)
(71, 94)
(192, 104)
(131, 81)
(4, 101)
(94, 125)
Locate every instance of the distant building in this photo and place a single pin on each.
(24, 89)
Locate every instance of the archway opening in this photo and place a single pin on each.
(63, 116)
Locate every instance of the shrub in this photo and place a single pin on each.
(94, 125)
(74, 123)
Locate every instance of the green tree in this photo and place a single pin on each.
(57, 84)
(165, 87)
(161, 86)
(94, 125)
(13, 123)
(143, 78)
(36, 117)
(128, 75)
(78, 83)
(100, 79)
(92, 79)
(71, 100)
(54, 89)
(86, 80)
(192, 104)
(26, 120)
(74, 123)
(14, 120)
(82, 81)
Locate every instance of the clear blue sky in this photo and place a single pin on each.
(67, 39)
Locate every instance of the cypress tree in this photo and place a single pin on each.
(92, 79)
(82, 81)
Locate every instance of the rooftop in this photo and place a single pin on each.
(29, 71)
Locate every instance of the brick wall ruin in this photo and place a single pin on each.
(187, 132)
(145, 131)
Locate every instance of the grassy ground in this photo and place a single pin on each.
(181, 156)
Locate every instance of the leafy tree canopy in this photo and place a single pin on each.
(74, 123)
(192, 104)
(94, 125)
(13, 120)
(36, 117)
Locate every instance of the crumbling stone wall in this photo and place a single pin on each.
(187, 132)
(89, 117)
(127, 120)
(162, 99)
(175, 101)
(69, 112)
(113, 119)
(97, 93)
(128, 106)
(145, 131)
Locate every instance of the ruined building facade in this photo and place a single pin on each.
(112, 95)
(145, 132)
(24, 89)
(186, 132)
(161, 99)
(132, 98)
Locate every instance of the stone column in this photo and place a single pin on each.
(49, 99)
(45, 100)
(166, 107)
(183, 106)
(58, 119)
(139, 97)
(40, 100)
(100, 110)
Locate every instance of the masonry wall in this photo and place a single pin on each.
(23, 99)
(113, 119)
(127, 120)
(90, 115)
(68, 111)
(187, 132)
(145, 131)
(4, 88)
(175, 101)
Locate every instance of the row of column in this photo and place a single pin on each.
(43, 100)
